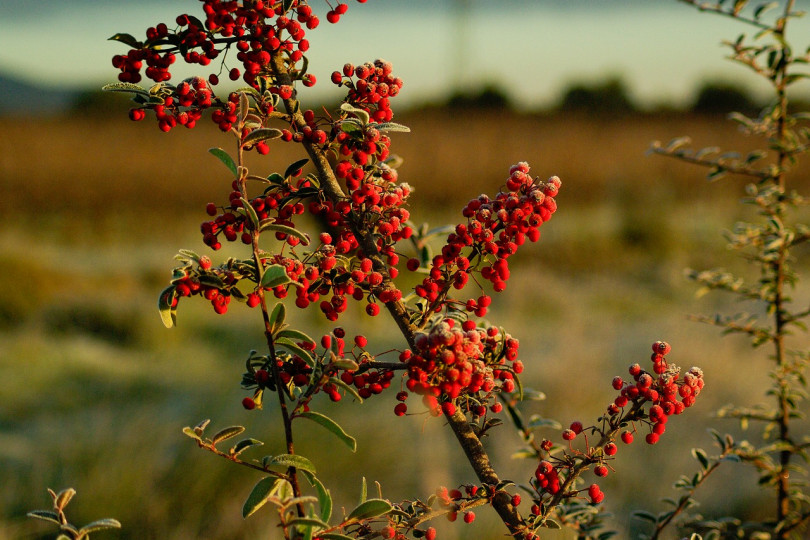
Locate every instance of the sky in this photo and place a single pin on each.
(533, 49)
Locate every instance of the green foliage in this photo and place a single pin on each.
(57, 516)
(768, 245)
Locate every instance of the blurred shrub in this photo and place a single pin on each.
(95, 319)
(606, 98)
(722, 98)
(488, 97)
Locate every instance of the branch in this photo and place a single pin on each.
(470, 443)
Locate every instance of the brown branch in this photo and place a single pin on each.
(470, 443)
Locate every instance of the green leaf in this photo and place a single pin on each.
(227, 433)
(261, 134)
(200, 428)
(243, 109)
(295, 334)
(243, 445)
(345, 363)
(125, 87)
(292, 460)
(324, 497)
(250, 211)
(332, 426)
(362, 115)
(350, 389)
(352, 127)
(224, 157)
(263, 491)
(190, 432)
(275, 178)
(277, 316)
(392, 126)
(47, 515)
(293, 167)
(286, 5)
(63, 498)
(168, 314)
(267, 225)
(100, 525)
(646, 516)
(296, 349)
(127, 39)
(274, 276)
(370, 509)
(305, 499)
(700, 455)
(334, 536)
(308, 521)
(537, 421)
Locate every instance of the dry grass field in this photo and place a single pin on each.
(94, 391)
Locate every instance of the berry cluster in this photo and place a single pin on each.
(649, 400)
(494, 230)
(258, 30)
(278, 205)
(374, 86)
(454, 360)
(197, 277)
(663, 390)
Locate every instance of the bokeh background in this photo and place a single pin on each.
(94, 391)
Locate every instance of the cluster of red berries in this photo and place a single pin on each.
(369, 381)
(662, 391)
(494, 230)
(217, 285)
(256, 28)
(665, 389)
(376, 207)
(182, 105)
(361, 146)
(453, 360)
(293, 370)
(373, 89)
(450, 498)
(279, 204)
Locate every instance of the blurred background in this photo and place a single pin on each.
(94, 391)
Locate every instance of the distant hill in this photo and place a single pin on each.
(20, 97)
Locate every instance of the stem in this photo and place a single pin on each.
(779, 270)
(684, 501)
(268, 332)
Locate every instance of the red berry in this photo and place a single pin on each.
(601, 470)
(400, 409)
(652, 438)
(430, 534)
(627, 437)
(611, 449)
(360, 341)
(661, 347)
(594, 492)
(469, 517)
(248, 403)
